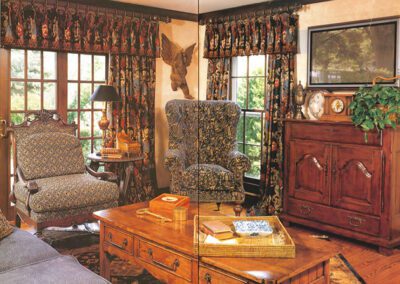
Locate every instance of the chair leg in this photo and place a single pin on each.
(237, 209)
(17, 220)
(218, 206)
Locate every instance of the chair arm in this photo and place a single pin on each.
(108, 176)
(238, 163)
(31, 185)
(174, 160)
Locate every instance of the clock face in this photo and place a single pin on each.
(337, 105)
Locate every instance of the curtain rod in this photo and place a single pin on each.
(249, 13)
(79, 6)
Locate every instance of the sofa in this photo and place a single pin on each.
(26, 259)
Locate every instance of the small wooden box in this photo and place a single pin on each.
(246, 246)
(166, 208)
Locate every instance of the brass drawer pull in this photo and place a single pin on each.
(355, 221)
(207, 277)
(305, 210)
(124, 243)
(173, 267)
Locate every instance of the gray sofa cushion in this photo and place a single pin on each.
(21, 248)
(61, 269)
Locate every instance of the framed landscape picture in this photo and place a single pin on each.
(352, 55)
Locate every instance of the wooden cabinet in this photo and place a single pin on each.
(335, 181)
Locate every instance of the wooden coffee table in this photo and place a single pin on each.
(166, 251)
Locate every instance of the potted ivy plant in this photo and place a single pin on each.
(375, 108)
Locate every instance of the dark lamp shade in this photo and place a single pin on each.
(105, 93)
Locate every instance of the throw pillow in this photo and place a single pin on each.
(5, 227)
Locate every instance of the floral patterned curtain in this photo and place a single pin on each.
(134, 77)
(272, 34)
(275, 35)
(72, 27)
(218, 78)
(279, 88)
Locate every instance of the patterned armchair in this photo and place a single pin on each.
(202, 155)
(53, 187)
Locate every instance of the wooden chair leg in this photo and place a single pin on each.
(17, 220)
(218, 206)
(238, 209)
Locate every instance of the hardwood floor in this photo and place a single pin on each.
(372, 266)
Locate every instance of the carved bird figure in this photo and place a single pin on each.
(179, 59)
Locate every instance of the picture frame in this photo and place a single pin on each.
(335, 55)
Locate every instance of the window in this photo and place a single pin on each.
(33, 83)
(85, 73)
(248, 83)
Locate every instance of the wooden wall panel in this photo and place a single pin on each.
(4, 147)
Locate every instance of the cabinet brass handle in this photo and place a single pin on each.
(207, 277)
(355, 221)
(305, 210)
(124, 243)
(172, 268)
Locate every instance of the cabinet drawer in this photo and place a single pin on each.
(334, 216)
(166, 260)
(339, 133)
(119, 240)
(212, 276)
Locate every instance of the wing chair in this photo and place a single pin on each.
(202, 155)
(52, 186)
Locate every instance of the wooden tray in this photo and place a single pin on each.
(278, 244)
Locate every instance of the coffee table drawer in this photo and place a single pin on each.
(165, 259)
(118, 239)
(212, 276)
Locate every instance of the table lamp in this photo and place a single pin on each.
(105, 93)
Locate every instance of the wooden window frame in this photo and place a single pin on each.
(25, 80)
(242, 145)
(92, 110)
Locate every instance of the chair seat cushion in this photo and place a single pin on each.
(68, 192)
(208, 177)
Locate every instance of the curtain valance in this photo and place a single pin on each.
(272, 34)
(75, 27)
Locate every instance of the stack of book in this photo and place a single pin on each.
(217, 229)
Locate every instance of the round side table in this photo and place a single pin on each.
(122, 167)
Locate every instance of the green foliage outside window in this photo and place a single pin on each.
(249, 142)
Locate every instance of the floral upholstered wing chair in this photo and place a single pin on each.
(53, 187)
(202, 155)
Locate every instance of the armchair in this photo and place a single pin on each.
(202, 155)
(52, 186)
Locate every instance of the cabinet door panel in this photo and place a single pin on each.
(357, 176)
(308, 169)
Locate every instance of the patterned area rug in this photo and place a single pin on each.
(84, 246)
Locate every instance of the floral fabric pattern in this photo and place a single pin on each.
(134, 78)
(62, 214)
(208, 177)
(279, 89)
(50, 154)
(273, 34)
(202, 143)
(67, 192)
(79, 28)
(218, 78)
(5, 227)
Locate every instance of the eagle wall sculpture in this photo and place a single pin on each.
(179, 59)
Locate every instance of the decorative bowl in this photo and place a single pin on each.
(256, 228)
